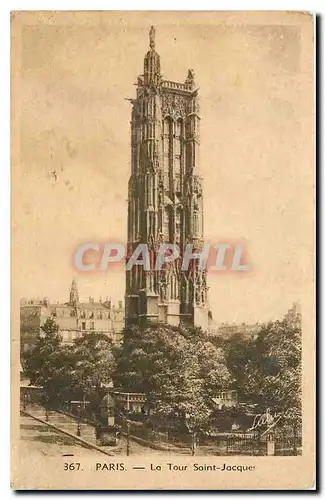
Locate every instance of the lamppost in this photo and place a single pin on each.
(24, 401)
(78, 421)
(46, 405)
(128, 439)
(193, 444)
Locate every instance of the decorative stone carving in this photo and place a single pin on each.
(193, 105)
(198, 185)
(173, 105)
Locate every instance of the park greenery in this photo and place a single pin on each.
(180, 369)
(267, 368)
(80, 371)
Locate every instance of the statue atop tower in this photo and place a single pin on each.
(152, 32)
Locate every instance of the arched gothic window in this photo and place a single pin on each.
(167, 147)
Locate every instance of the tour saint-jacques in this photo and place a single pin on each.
(158, 374)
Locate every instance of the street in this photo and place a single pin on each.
(40, 439)
(43, 439)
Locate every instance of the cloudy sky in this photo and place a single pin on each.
(71, 75)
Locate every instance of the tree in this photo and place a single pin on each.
(177, 368)
(273, 372)
(81, 370)
(214, 373)
(92, 367)
(237, 352)
(48, 362)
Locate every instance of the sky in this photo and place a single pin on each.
(71, 75)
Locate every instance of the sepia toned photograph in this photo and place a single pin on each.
(163, 258)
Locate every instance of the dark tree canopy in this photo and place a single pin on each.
(48, 361)
(178, 369)
(93, 365)
(79, 370)
(267, 368)
(273, 372)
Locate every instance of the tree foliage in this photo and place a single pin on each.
(267, 368)
(93, 366)
(48, 361)
(79, 370)
(273, 372)
(177, 368)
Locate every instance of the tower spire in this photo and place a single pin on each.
(74, 299)
(152, 65)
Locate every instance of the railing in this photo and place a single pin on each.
(160, 437)
(245, 445)
(288, 442)
(176, 85)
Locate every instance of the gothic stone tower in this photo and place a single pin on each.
(165, 200)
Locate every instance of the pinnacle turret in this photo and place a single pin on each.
(152, 64)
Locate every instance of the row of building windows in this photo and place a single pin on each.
(95, 314)
(67, 313)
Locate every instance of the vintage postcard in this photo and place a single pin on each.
(163, 250)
